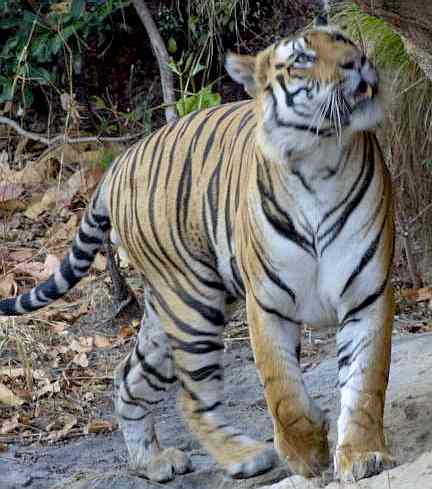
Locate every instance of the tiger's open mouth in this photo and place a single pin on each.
(363, 94)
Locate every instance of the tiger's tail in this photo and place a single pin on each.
(89, 239)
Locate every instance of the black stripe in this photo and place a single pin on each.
(370, 299)
(149, 369)
(302, 179)
(212, 315)
(337, 227)
(200, 347)
(80, 254)
(207, 409)
(349, 358)
(352, 189)
(274, 277)
(88, 239)
(325, 132)
(138, 418)
(365, 259)
(275, 312)
(137, 401)
(237, 279)
(150, 383)
(204, 373)
(212, 284)
(283, 223)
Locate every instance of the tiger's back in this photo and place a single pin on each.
(177, 192)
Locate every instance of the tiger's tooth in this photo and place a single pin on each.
(369, 92)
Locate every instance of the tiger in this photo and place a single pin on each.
(283, 201)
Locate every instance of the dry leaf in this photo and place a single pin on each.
(102, 341)
(126, 331)
(34, 269)
(100, 263)
(81, 360)
(123, 255)
(10, 191)
(17, 372)
(36, 208)
(4, 156)
(66, 231)
(24, 394)
(58, 328)
(8, 398)
(8, 286)
(418, 295)
(68, 421)
(48, 388)
(98, 426)
(12, 373)
(83, 344)
(51, 265)
(9, 425)
(34, 172)
(22, 254)
(58, 350)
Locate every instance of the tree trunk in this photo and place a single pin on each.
(412, 19)
(159, 49)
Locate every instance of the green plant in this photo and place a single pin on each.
(386, 45)
(111, 119)
(192, 98)
(106, 159)
(34, 39)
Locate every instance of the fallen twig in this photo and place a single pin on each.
(62, 138)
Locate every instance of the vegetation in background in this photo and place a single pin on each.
(42, 46)
(407, 133)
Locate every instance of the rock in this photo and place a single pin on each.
(416, 475)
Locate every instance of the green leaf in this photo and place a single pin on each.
(196, 69)
(77, 8)
(6, 89)
(172, 45)
(203, 99)
(27, 98)
(99, 103)
(41, 75)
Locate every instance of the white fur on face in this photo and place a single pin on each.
(306, 101)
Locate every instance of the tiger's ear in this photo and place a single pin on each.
(241, 68)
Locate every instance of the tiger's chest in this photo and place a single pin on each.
(301, 262)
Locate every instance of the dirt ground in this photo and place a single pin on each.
(100, 460)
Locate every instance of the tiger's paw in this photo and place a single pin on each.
(164, 466)
(351, 466)
(254, 463)
(306, 453)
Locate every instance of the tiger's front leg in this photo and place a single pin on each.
(140, 382)
(364, 350)
(300, 428)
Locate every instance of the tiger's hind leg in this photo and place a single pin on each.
(140, 382)
(300, 428)
(195, 324)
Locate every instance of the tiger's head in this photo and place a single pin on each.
(319, 84)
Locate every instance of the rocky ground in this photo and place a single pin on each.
(97, 461)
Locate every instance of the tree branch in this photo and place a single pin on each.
(63, 139)
(167, 80)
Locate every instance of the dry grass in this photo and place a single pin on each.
(406, 134)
